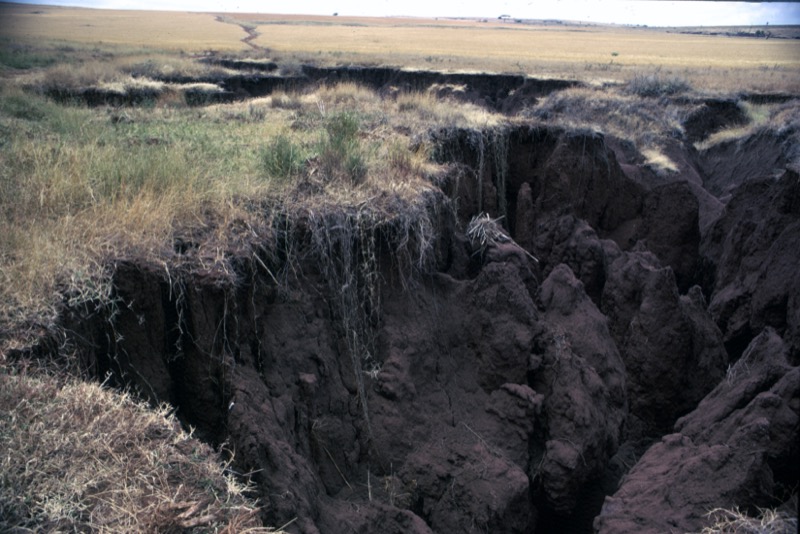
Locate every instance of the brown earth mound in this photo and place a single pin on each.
(754, 248)
(738, 446)
(729, 164)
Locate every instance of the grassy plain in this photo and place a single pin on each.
(80, 187)
(586, 53)
(190, 32)
(590, 53)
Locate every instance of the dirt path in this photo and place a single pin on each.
(252, 34)
(251, 31)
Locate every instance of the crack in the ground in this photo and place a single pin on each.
(251, 31)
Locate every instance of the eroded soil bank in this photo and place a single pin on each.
(502, 92)
(624, 358)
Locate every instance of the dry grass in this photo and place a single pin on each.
(71, 68)
(81, 188)
(779, 119)
(78, 457)
(193, 32)
(659, 161)
(593, 54)
(590, 53)
(525, 43)
(735, 521)
(653, 123)
(168, 66)
(614, 111)
(483, 231)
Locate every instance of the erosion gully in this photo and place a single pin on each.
(640, 370)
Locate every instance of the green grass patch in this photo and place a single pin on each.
(283, 159)
(23, 57)
(81, 187)
(340, 153)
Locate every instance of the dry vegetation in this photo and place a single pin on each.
(781, 119)
(610, 111)
(80, 458)
(595, 54)
(769, 521)
(650, 125)
(590, 53)
(82, 188)
(156, 30)
(586, 53)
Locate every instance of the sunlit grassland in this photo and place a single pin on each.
(191, 32)
(631, 46)
(589, 54)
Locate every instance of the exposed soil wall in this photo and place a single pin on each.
(487, 390)
(507, 93)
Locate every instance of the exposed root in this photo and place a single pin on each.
(483, 232)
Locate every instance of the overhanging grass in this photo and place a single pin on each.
(776, 119)
(611, 111)
(83, 187)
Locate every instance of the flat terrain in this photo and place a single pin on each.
(588, 53)
(511, 45)
(192, 32)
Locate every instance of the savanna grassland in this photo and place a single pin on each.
(86, 188)
(130, 29)
(591, 53)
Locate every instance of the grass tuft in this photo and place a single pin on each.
(734, 521)
(659, 162)
(283, 158)
(78, 458)
(339, 151)
(657, 85)
(483, 232)
(17, 104)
